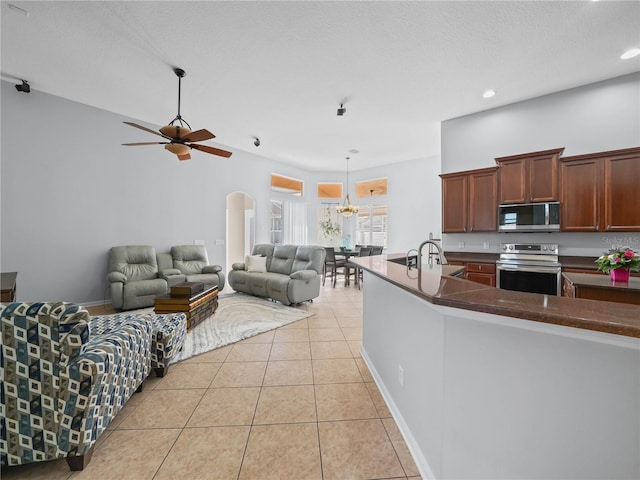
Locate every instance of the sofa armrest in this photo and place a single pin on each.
(211, 269)
(116, 277)
(304, 275)
(238, 266)
(169, 272)
(96, 384)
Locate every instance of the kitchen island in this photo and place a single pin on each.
(600, 287)
(489, 383)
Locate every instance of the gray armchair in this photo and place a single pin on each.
(133, 277)
(193, 263)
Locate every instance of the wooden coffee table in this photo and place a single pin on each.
(196, 307)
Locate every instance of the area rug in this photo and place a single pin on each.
(238, 317)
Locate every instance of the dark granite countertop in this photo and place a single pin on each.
(471, 257)
(436, 285)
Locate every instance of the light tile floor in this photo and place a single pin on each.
(294, 403)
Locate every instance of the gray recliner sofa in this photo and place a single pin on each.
(189, 263)
(290, 274)
(133, 277)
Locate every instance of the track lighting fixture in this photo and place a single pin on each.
(25, 87)
(341, 110)
(257, 142)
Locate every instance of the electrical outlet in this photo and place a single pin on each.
(198, 242)
(485, 245)
(460, 244)
(401, 376)
(219, 242)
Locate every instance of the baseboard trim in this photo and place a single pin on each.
(421, 462)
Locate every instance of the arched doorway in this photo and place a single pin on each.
(240, 227)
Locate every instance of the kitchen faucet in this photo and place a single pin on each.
(408, 254)
(441, 257)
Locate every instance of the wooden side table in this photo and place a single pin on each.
(8, 286)
(196, 307)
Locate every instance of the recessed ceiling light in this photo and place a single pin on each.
(488, 93)
(632, 52)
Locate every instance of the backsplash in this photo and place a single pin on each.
(573, 244)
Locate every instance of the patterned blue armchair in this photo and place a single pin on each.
(62, 385)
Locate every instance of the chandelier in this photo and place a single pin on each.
(346, 209)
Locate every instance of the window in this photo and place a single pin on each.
(330, 226)
(295, 225)
(371, 225)
(288, 222)
(329, 190)
(370, 188)
(280, 183)
(277, 222)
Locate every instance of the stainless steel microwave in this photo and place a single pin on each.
(529, 217)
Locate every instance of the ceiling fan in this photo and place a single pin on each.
(179, 135)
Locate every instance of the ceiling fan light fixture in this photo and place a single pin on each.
(341, 110)
(177, 148)
(175, 131)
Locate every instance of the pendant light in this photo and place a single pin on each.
(346, 209)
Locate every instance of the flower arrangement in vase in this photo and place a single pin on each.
(618, 262)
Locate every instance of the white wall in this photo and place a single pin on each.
(593, 118)
(70, 191)
(485, 396)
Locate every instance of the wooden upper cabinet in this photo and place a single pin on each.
(622, 191)
(600, 192)
(483, 201)
(454, 203)
(580, 195)
(469, 201)
(529, 177)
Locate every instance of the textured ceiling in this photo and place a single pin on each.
(279, 70)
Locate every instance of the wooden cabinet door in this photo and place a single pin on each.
(483, 278)
(484, 273)
(543, 179)
(622, 193)
(483, 202)
(513, 174)
(529, 177)
(580, 197)
(454, 203)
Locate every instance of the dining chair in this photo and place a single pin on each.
(364, 252)
(332, 265)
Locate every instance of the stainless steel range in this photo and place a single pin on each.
(529, 267)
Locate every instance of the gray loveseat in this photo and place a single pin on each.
(287, 273)
(189, 263)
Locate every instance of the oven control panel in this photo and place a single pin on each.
(530, 248)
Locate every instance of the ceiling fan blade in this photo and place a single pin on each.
(146, 129)
(198, 136)
(212, 150)
(186, 156)
(145, 143)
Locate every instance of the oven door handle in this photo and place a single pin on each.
(530, 269)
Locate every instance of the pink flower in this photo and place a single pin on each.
(618, 259)
(629, 254)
